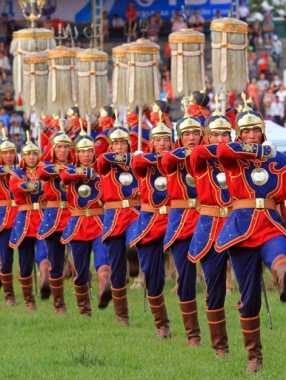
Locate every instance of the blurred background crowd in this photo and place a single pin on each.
(267, 74)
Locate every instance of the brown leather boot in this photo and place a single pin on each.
(120, 305)
(251, 335)
(7, 281)
(278, 269)
(27, 288)
(217, 326)
(45, 290)
(189, 312)
(104, 287)
(159, 311)
(83, 302)
(57, 288)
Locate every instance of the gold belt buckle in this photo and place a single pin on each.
(62, 204)
(192, 202)
(13, 203)
(259, 203)
(223, 211)
(125, 203)
(87, 212)
(36, 206)
(163, 210)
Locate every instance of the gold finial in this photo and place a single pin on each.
(246, 107)
(216, 111)
(117, 122)
(28, 137)
(62, 129)
(35, 7)
(185, 108)
(82, 131)
(165, 99)
(204, 90)
(4, 135)
(160, 116)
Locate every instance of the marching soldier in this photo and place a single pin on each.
(215, 200)
(151, 225)
(56, 214)
(255, 231)
(183, 218)
(8, 212)
(84, 228)
(120, 188)
(28, 193)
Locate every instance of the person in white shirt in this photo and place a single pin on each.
(243, 11)
(281, 93)
(277, 111)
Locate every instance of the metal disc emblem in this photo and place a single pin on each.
(259, 176)
(63, 186)
(190, 180)
(84, 191)
(221, 178)
(161, 183)
(125, 179)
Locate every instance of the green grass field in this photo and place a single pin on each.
(41, 345)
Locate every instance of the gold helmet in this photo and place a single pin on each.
(188, 123)
(249, 119)
(160, 129)
(217, 122)
(73, 112)
(61, 137)
(118, 132)
(162, 105)
(6, 144)
(83, 141)
(29, 147)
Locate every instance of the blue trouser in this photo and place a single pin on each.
(41, 252)
(56, 254)
(26, 251)
(214, 265)
(116, 248)
(180, 251)
(6, 252)
(246, 264)
(80, 252)
(187, 281)
(152, 261)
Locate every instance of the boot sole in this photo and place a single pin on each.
(105, 299)
(283, 293)
(45, 292)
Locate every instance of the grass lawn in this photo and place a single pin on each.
(41, 345)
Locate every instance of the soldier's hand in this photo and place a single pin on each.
(269, 149)
(137, 152)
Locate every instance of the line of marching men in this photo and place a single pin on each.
(205, 198)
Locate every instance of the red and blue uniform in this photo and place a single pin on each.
(84, 228)
(150, 228)
(28, 193)
(183, 215)
(120, 189)
(8, 212)
(255, 231)
(215, 200)
(56, 215)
